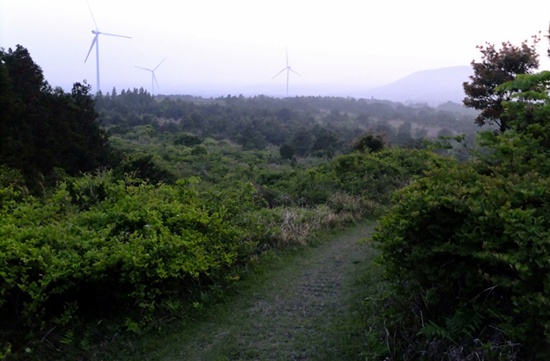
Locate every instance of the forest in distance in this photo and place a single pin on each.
(309, 126)
(135, 208)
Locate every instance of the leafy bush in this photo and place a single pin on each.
(98, 246)
(369, 142)
(466, 248)
(468, 254)
(377, 176)
(187, 140)
(146, 167)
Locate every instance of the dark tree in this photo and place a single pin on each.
(369, 142)
(42, 129)
(186, 139)
(26, 76)
(301, 142)
(144, 166)
(286, 151)
(251, 137)
(325, 142)
(21, 83)
(404, 134)
(497, 66)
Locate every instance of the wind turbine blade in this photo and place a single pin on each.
(142, 68)
(155, 79)
(93, 18)
(293, 71)
(91, 47)
(159, 64)
(120, 36)
(276, 75)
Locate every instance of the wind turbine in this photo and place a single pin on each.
(288, 70)
(153, 77)
(95, 42)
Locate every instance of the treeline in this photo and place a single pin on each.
(306, 126)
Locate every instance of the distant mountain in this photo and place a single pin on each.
(434, 86)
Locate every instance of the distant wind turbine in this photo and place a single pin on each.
(153, 77)
(288, 70)
(95, 42)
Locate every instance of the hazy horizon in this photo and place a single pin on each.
(237, 47)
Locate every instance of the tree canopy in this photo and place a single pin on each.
(43, 128)
(496, 67)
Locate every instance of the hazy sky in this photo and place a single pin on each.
(220, 47)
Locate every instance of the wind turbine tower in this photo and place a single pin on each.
(288, 70)
(153, 77)
(95, 42)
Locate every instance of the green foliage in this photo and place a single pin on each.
(109, 244)
(261, 122)
(146, 167)
(376, 176)
(529, 108)
(97, 246)
(497, 67)
(367, 179)
(147, 238)
(466, 247)
(199, 150)
(286, 151)
(369, 142)
(188, 140)
(457, 239)
(42, 129)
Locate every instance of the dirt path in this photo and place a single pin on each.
(297, 313)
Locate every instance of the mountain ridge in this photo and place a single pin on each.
(433, 86)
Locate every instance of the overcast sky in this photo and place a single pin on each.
(220, 47)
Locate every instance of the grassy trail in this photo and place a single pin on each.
(300, 308)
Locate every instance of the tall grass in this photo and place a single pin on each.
(283, 227)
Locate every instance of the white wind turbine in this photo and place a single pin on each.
(95, 42)
(153, 77)
(288, 70)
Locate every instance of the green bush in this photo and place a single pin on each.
(96, 247)
(466, 247)
(469, 257)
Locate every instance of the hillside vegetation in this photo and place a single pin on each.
(173, 200)
(121, 211)
(466, 247)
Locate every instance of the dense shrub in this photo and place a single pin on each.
(369, 142)
(96, 247)
(470, 253)
(466, 248)
(376, 176)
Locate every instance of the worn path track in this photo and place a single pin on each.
(295, 314)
